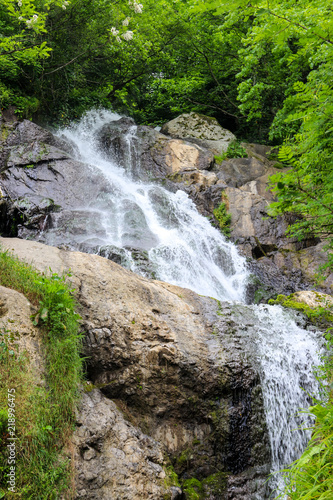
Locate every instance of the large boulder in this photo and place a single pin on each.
(200, 129)
(181, 369)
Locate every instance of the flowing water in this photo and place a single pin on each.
(182, 248)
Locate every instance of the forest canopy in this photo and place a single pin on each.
(263, 69)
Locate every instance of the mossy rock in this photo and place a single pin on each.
(193, 489)
(317, 315)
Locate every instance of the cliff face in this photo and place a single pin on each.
(171, 379)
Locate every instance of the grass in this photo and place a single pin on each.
(45, 413)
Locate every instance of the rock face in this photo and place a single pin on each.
(202, 130)
(179, 371)
(114, 459)
(15, 321)
(149, 154)
(314, 299)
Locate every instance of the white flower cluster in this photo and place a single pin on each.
(128, 35)
(19, 3)
(31, 22)
(126, 21)
(137, 7)
(64, 5)
(114, 31)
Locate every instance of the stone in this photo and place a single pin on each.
(314, 299)
(180, 372)
(16, 322)
(114, 459)
(149, 154)
(200, 129)
(238, 171)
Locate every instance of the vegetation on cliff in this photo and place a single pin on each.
(45, 415)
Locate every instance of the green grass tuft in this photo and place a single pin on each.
(45, 415)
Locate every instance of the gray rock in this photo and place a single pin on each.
(203, 130)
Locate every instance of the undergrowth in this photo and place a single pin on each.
(235, 150)
(45, 411)
(315, 314)
(223, 218)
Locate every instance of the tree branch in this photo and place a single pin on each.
(64, 65)
(213, 75)
(300, 26)
(214, 107)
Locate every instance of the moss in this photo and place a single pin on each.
(215, 484)
(315, 315)
(193, 489)
(171, 478)
(220, 416)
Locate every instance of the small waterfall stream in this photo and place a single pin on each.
(183, 248)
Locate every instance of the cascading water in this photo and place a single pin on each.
(182, 248)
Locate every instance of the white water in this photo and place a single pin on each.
(187, 251)
(182, 245)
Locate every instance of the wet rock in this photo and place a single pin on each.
(150, 154)
(32, 153)
(113, 140)
(200, 129)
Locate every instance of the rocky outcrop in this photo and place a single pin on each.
(114, 459)
(178, 367)
(314, 299)
(200, 129)
(281, 264)
(150, 155)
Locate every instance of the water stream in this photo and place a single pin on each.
(182, 248)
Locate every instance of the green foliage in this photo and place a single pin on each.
(171, 478)
(235, 150)
(223, 218)
(45, 415)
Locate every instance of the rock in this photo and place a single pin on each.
(314, 299)
(114, 459)
(149, 154)
(180, 371)
(23, 336)
(238, 171)
(113, 140)
(32, 153)
(259, 151)
(200, 129)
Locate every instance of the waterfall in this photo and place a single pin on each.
(181, 247)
